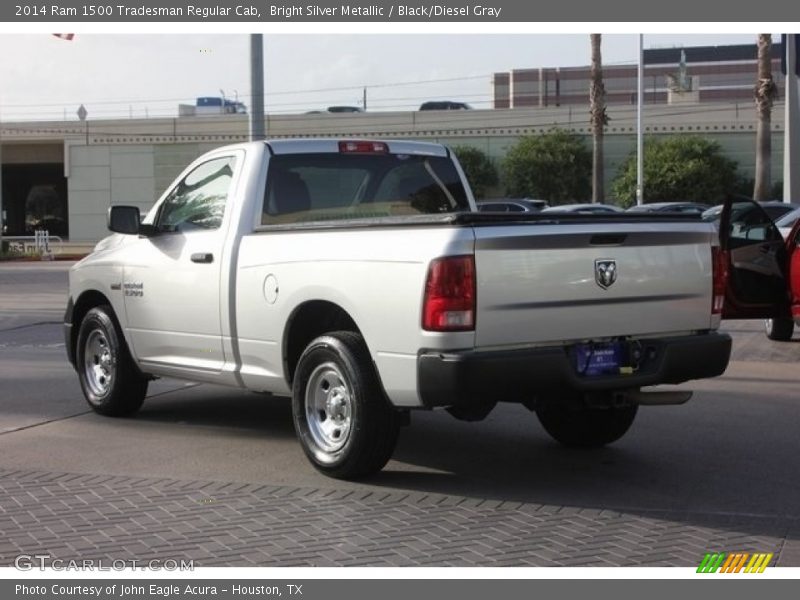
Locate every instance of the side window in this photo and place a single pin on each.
(751, 224)
(198, 201)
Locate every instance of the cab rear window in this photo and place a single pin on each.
(323, 187)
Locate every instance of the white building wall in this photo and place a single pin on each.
(133, 176)
(88, 190)
(102, 175)
(137, 162)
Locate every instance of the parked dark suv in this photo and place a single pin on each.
(511, 205)
(444, 105)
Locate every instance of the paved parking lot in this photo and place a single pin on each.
(215, 475)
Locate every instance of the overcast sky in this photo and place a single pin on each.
(43, 77)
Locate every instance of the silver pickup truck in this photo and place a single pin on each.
(358, 278)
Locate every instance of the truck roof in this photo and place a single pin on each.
(321, 145)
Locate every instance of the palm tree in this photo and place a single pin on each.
(765, 94)
(598, 118)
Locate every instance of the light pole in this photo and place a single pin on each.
(639, 131)
(791, 127)
(257, 129)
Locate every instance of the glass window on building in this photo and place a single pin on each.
(35, 197)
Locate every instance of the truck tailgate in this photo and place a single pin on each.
(545, 283)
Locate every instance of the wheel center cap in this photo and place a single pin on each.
(337, 404)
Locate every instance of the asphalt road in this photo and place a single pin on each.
(730, 453)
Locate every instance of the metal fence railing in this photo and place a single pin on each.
(41, 243)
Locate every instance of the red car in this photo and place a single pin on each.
(763, 268)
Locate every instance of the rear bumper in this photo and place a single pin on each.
(453, 378)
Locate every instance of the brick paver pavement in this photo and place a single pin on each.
(80, 517)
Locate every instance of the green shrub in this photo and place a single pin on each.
(688, 168)
(745, 186)
(555, 166)
(479, 169)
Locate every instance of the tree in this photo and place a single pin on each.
(479, 169)
(598, 118)
(689, 168)
(765, 93)
(555, 166)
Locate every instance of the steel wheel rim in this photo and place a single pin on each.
(98, 363)
(328, 407)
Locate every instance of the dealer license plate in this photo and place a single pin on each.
(600, 359)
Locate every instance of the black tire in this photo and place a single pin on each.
(780, 330)
(345, 424)
(111, 383)
(574, 424)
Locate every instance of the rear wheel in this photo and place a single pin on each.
(346, 426)
(571, 422)
(110, 381)
(780, 330)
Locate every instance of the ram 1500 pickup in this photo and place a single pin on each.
(358, 278)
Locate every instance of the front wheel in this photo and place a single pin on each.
(780, 330)
(346, 426)
(573, 423)
(110, 381)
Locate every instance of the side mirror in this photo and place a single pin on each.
(124, 219)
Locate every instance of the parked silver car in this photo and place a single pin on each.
(685, 208)
(584, 208)
(787, 221)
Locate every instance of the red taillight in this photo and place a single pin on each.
(449, 303)
(719, 278)
(361, 147)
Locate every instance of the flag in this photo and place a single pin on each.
(65, 36)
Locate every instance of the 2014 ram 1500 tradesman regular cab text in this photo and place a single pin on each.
(358, 278)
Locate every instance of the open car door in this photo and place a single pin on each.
(793, 251)
(757, 263)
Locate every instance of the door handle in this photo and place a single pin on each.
(202, 257)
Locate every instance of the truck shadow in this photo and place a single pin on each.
(669, 466)
(735, 471)
(255, 414)
(688, 460)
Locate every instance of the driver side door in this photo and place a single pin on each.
(172, 280)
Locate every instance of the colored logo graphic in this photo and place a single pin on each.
(737, 562)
